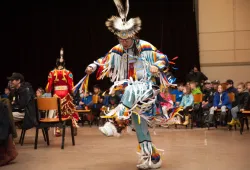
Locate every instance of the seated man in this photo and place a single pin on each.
(207, 101)
(23, 104)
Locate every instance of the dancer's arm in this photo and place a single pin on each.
(50, 82)
(70, 81)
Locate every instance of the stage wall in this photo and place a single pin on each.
(224, 39)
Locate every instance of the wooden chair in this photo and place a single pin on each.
(23, 132)
(198, 98)
(52, 103)
(173, 97)
(243, 118)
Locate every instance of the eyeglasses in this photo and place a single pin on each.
(124, 40)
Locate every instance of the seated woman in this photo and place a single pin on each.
(221, 101)
(187, 103)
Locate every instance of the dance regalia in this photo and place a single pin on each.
(61, 82)
(115, 66)
(132, 67)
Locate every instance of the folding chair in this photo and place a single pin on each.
(52, 103)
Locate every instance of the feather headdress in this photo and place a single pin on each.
(119, 25)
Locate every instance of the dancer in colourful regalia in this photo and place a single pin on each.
(137, 64)
(60, 81)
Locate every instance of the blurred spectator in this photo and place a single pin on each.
(187, 103)
(197, 113)
(40, 92)
(167, 103)
(97, 103)
(112, 100)
(86, 99)
(196, 76)
(221, 101)
(195, 89)
(178, 93)
(208, 92)
(248, 86)
(23, 105)
(215, 84)
(231, 89)
(243, 103)
(6, 93)
(7, 146)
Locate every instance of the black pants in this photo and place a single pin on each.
(186, 110)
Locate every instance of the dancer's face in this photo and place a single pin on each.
(126, 43)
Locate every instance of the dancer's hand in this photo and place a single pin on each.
(154, 69)
(89, 70)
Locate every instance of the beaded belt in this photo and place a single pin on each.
(61, 87)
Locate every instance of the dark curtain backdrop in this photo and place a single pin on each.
(32, 35)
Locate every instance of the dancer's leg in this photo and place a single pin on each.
(149, 158)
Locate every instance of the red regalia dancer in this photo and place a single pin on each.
(61, 81)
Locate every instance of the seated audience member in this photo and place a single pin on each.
(232, 89)
(197, 105)
(207, 101)
(7, 132)
(97, 102)
(178, 93)
(40, 92)
(215, 85)
(86, 99)
(243, 103)
(196, 76)
(6, 102)
(248, 86)
(167, 102)
(187, 103)
(112, 100)
(23, 105)
(221, 101)
(6, 93)
(195, 89)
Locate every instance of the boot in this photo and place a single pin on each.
(186, 121)
(233, 122)
(210, 118)
(237, 122)
(178, 120)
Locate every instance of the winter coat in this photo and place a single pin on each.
(25, 101)
(224, 98)
(187, 100)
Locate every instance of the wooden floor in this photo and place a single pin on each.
(197, 149)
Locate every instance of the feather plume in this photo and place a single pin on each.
(124, 30)
(123, 12)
